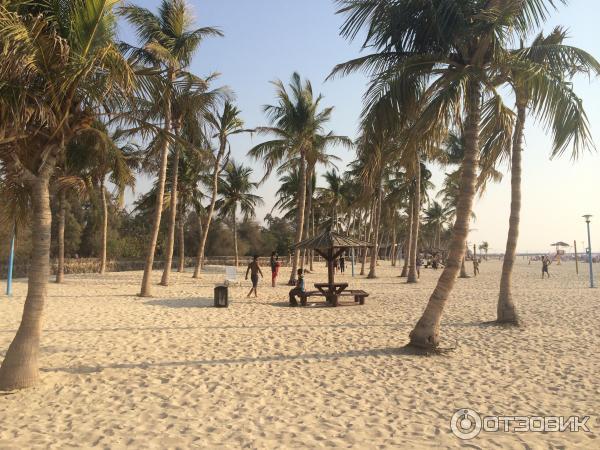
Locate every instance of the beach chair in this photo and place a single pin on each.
(230, 276)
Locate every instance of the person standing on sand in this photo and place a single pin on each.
(275, 265)
(418, 264)
(255, 269)
(475, 267)
(545, 264)
(342, 263)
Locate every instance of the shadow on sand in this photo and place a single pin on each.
(308, 357)
(203, 302)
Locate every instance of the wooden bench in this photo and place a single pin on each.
(359, 297)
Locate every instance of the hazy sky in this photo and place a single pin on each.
(269, 39)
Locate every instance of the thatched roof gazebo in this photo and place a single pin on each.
(330, 245)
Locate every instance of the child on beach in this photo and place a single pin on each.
(275, 264)
(254, 268)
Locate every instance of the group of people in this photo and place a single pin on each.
(254, 270)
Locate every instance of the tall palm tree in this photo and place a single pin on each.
(332, 195)
(191, 103)
(224, 125)
(168, 43)
(548, 92)
(236, 193)
(60, 67)
(455, 49)
(297, 125)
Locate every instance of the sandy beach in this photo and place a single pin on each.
(174, 372)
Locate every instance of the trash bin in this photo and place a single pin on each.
(221, 296)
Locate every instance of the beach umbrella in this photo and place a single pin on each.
(330, 245)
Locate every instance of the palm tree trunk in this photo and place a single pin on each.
(306, 253)
(235, 239)
(172, 217)
(20, 368)
(181, 252)
(211, 209)
(414, 228)
(60, 268)
(506, 311)
(104, 228)
(374, 255)
(367, 238)
(393, 252)
(311, 258)
(425, 335)
(299, 218)
(162, 176)
(408, 241)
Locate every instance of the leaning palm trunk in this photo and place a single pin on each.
(425, 335)
(172, 219)
(104, 228)
(414, 228)
(60, 267)
(20, 368)
(463, 269)
(162, 176)
(211, 209)
(506, 311)
(373, 264)
(181, 239)
(299, 218)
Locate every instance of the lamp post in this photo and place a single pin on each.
(589, 249)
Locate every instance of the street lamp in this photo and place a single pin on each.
(589, 249)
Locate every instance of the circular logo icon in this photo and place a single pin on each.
(466, 423)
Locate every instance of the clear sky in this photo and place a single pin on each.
(269, 39)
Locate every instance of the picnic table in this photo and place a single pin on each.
(330, 245)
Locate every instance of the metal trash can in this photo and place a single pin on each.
(221, 296)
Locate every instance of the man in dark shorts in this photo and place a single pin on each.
(545, 264)
(254, 268)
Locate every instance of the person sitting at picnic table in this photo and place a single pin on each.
(298, 290)
(255, 269)
(275, 264)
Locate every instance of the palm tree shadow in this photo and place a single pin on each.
(202, 302)
(378, 352)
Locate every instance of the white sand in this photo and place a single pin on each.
(174, 372)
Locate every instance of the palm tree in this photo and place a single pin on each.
(455, 49)
(484, 247)
(332, 195)
(93, 159)
(60, 67)
(224, 124)
(236, 192)
(546, 91)
(191, 103)
(298, 126)
(438, 216)
(168, 44)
